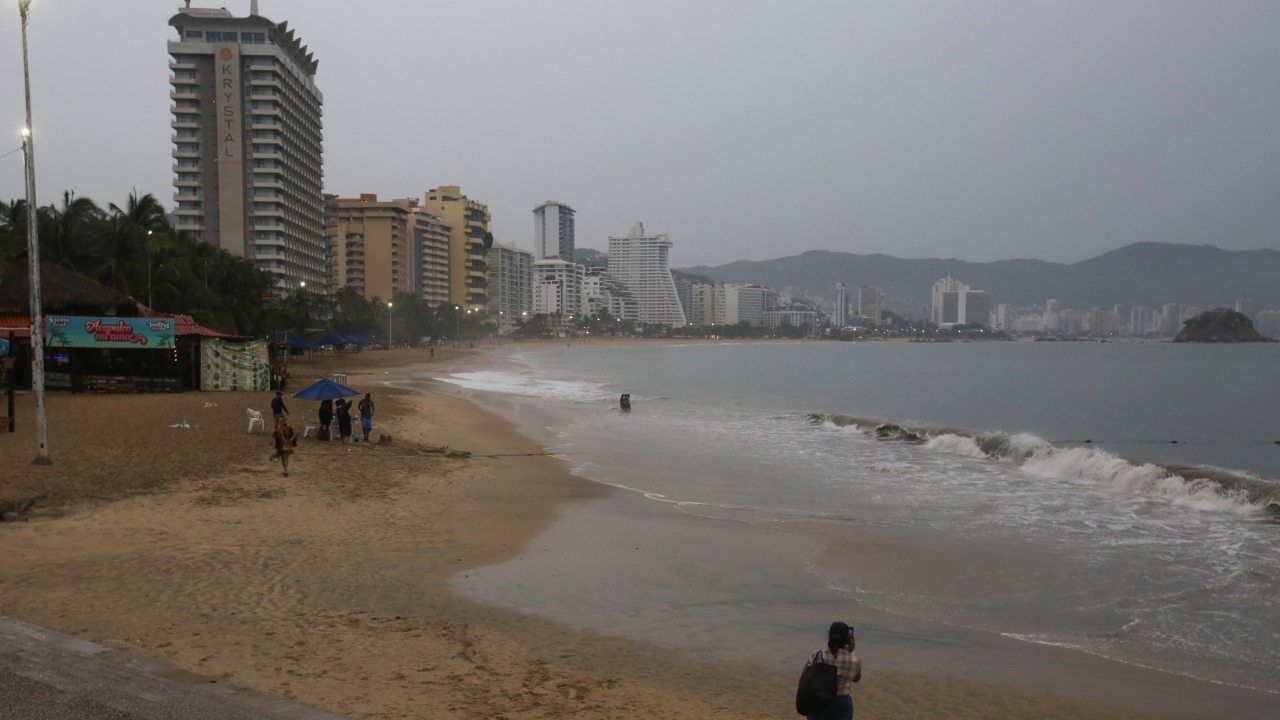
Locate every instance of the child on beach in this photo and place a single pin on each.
(285, 440)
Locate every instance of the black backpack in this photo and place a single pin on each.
(817, 688)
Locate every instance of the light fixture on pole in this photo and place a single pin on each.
(150, 302)
(33, 258)
(388, 326)
(457, 322)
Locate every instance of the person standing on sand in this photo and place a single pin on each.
(366, 416)
(326, 419)
(839, 652)
(278, 410)
(285, 440)
(343, 410)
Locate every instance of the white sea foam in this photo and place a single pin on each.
(515, 384)
(1143, 480)
(955, 445)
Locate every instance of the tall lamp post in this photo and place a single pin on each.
(388, 325)
(33, 258)
(457, 323)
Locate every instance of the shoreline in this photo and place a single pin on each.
(332, 587)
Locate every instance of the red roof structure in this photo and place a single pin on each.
(186, 326)
(19, 325)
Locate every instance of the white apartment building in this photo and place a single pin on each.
(553, 231)
(871, 304)
(975, 307)
(557, 287)
(840, 317)
(247, 142)
(708, 305)
(1050, 320)
(795, 318)
(639, 261)
(602, 293)
(744, 304)
(510, 277)
(945, 306)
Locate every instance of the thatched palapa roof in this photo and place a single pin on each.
(62, 291)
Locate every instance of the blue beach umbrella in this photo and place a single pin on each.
(321, 390)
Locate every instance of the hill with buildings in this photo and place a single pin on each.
(1140, 274)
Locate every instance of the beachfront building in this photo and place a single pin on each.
(382, 247)
(708, 304)
(745, 304)
(1049, 322)
(639, 261)
(945, 308)
(840, 317)
(431, 255)
(795, 318)
(247, 142)
(601, 292)
(469, 242)
(871, 304)
(510, 284)
(557, 287)
(975, 307)
(553, 231)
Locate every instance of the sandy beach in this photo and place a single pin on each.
(331, 586)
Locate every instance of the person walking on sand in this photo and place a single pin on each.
(278, 410)
(285, 440)
(839, 652)
(366, 416)
(343, 410)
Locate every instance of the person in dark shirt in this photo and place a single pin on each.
(326, 418)
(277, 406)
(343, 410)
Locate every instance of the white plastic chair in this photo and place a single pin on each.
(309, 427)
(255, 418)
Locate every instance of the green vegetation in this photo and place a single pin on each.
(133, 249)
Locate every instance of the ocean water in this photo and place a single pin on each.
(1031, 491)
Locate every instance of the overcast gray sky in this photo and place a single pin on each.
(745, 130)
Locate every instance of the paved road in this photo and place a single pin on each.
(46, 675)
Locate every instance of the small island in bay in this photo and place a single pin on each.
(1219, 326)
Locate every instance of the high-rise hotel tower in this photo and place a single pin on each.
(247, 142)
(553, 231)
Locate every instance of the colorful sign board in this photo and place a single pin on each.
(140, 333)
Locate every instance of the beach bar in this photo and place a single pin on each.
(101, 340)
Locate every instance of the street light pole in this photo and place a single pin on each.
(33, 257)
(457, 323)
(388, 326)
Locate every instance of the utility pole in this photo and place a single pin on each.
(33, 257)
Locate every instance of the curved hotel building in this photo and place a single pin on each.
(247, 142)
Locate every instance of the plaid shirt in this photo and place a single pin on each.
(848, 666)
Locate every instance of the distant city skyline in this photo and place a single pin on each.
(926, 130)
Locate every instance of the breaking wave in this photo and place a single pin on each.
(519, 384)
(1196, 488)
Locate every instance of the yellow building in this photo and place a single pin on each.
(371, 246)
(469, 241)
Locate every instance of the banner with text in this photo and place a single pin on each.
(67, 331)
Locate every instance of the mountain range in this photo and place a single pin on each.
(1145, 273)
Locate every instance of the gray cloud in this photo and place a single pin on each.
(743, 129)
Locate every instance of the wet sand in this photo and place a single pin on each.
(335, 586)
